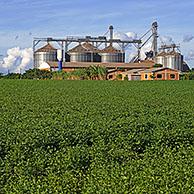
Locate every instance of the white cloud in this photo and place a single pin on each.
(125, 36)
(17, 59)
(120, 35)
(12, 57)
(131, 35)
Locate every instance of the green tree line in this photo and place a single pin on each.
(90, 73)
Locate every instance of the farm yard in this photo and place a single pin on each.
(96, 137)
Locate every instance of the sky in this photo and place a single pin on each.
(21, 20)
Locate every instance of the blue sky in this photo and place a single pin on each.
(21, 20)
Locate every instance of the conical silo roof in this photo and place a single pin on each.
(90, 47)
(161, 54)
(110, 49)
(173, 53)
(47, 48)
(84, 48)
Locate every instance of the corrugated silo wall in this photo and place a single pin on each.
(113, 57)
(41, 57)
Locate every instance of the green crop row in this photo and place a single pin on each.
(96, 137)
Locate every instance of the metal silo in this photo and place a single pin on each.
(161, 58)
(84, 53)
(112, 55)
(94, 51)
(179, 61)
(174, 60)
(45, 54)
(171, 59)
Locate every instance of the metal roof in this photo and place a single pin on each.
(133, 71)
(107, 65)
(46, 48)
(84, 48)
(163, 53)
(90, 47)
(110, 49)
(152, 70)
(173, 53)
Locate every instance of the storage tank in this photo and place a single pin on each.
(181, 63)
(112, 55)
(45, 54)
(172, 59)
(161, 58)
(84, 53)
(180, 60)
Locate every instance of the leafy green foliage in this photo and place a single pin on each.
(90, 73)
(158, 65)
(37, 74)
(119, 77)
(11, 76)
(1, 75)
(187, 76)
(96, 137)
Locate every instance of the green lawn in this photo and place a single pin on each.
(96, 137)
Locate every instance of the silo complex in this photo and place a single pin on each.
(45, 54)
(85, 52)
(112, 55)
(173, 60)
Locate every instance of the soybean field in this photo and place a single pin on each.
(96, 137)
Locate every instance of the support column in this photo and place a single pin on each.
(155, 38)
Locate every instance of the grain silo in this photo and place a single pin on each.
(174, 60)
(85, 52)
(112, 55)
(170, 58)
(161, 58)
(45, 54)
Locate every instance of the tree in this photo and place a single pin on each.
(126, 78)
(59, 75)
(102, 73)
(187, 76)
(1, 75)
(13, 76)
(37, 74)
(96, 72)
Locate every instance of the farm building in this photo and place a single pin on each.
(71, 66)
(113, 74)
(163, 73)
(133, 74)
